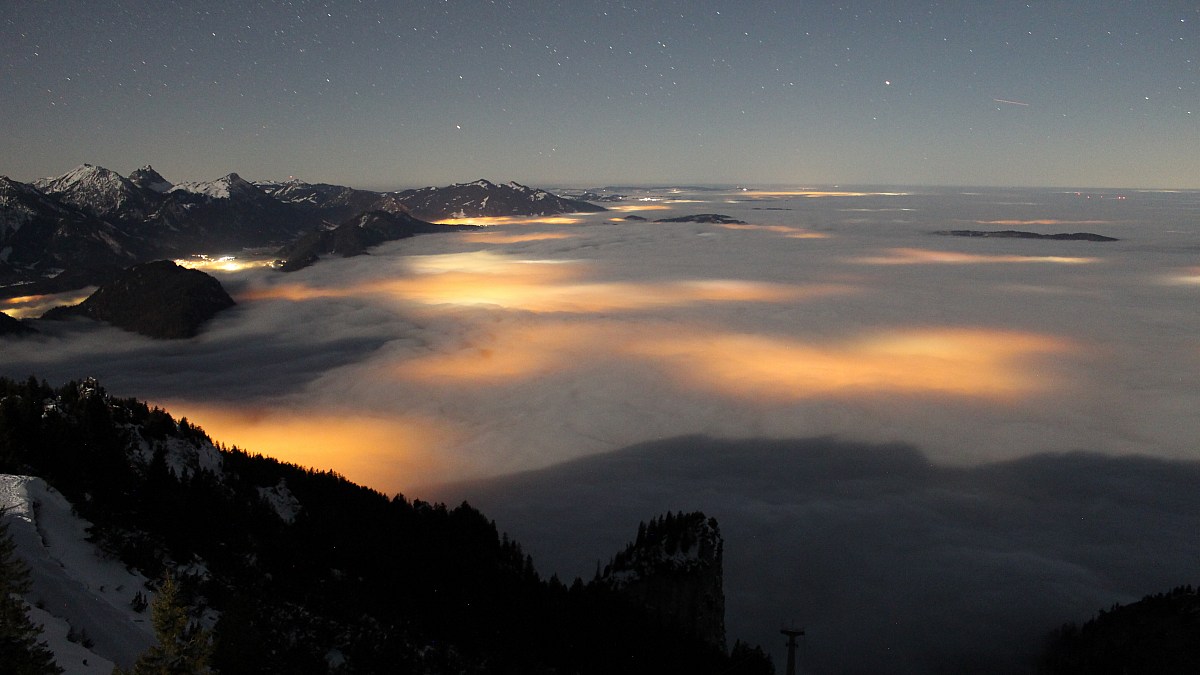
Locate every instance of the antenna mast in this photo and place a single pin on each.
(791, 634)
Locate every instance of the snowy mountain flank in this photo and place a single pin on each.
(83, 599)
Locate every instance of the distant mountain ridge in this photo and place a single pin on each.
(77, 229)
(354, 237)
(482, 198)
(336, 203)
(41, 237)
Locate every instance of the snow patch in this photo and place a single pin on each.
(183, 456)
(222, 188)
(281, 499)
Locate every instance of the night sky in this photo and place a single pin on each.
(397, 94)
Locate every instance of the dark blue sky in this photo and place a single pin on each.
(391, 94)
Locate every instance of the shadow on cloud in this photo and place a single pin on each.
(892, 563)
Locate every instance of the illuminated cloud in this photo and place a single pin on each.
(523, 348)
(998, 365)
(641, 206)
(32, 306)
(524, 353)
(513, 238)
(1188, 277)
(922, 256)
(786, 230)
(491, 221)
(1044, 221)
(964, 363)
(484, 278)
(395, 451)
(773, 194)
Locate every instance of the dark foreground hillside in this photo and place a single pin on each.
(306, 572)
(1158, 635)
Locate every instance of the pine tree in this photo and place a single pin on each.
(182, 649)
(20, 651)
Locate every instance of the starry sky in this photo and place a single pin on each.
(384, 95)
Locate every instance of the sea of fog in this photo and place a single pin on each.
(926, 450)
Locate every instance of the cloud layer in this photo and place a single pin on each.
(469, 356)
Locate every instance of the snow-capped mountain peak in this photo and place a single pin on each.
(225, 187)
(95, 189)
(85, 179)
(147, 178)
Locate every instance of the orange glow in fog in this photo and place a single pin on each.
(921, 256)
(820, 193)
(1188, 277)
(506, 356)
(488, 221)
(391, 453)
(976, 363)
(644, 206)
(961, 362)
(1046, 221)
(504, 238)
(485, 278)
(33, 306)
(786, 230)
(541, 291)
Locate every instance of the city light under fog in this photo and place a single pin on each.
(856, 397)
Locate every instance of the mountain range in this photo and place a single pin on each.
(80, 228)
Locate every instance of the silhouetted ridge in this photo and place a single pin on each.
(674, 569)
(1018, 234)
(159, 299)
(11, 326)
(483, 198)
(716, 218)
(1158, 635)
(354, 237)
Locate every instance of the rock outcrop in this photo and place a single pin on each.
(674, 570)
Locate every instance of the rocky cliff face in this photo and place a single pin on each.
(674, 570)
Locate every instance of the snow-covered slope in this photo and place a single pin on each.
(225, 187)
(99, 191)
(83, 599)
